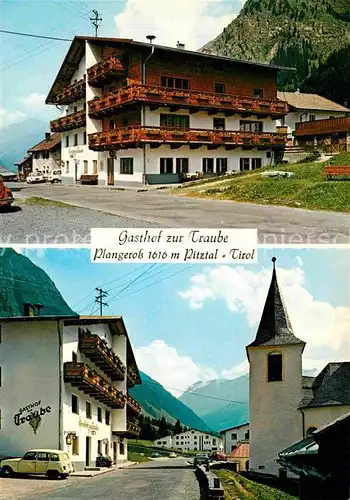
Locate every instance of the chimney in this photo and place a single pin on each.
(150, 38)
(47, 136)
(180, 45)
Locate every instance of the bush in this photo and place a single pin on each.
(316, 155)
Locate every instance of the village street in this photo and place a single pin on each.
(100, 207)
(161, 479)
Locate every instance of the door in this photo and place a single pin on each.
(115, 452)
(110, 171)
(28, 463)
(42, 462)
(88, 451)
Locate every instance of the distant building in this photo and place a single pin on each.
(47, 154)
(193, 440)
(24, 167)
(6, 174)
(234, 435)
(314, 121)
(284, 405)
(240, 457)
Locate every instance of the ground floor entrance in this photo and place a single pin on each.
(88, 451)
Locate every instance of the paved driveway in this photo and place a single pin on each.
(170, 479)
(280, 225)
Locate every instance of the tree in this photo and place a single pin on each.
(177, 427)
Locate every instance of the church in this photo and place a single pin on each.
(284, 405)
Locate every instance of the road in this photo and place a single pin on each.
(157, 208)
(161, 479)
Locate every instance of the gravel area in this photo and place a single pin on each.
(158, 480)
(37, 224)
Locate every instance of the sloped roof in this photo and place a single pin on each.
(315, 102)
(330, 387)
(24, 160)
(235, 427)
(242, 451)
(338, 421)
(275, 327)
(47, 144)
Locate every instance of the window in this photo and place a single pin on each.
(312, 118)
(75, 404)
(107, 417)
(310, 431)
(74, 357)
(75, 139)
(166, 165)
(53, 457)
(175, 121)
(283, 121)
(75, 447)
(86, 166)
(182, 165)
(164, 442)
(243, 164)
(214, 441)
(84, 106)
(84, 138)
(111, 124)
(256, 163)
(219, 123)
(99, 414)
(246, 435)
(30, 455)
(220, 88)
(88, 409)
(94, 166)
(67, 167)
(106, 448)
(174, 83)
(208, 165)
(127, 166)
(42, 456)
(221, 165)
(258, 93)
(274, 367)
(249, 126)
(67, 141)
(99, 446)
(233, 447)
(75, 109)
(101, 166)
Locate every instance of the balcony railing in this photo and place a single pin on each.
(319, 127)
(71, 93)
(69, 122)
(133, 135)
(132, 377)
(90, 382)
(133, 405)
(97, 351)
(107, 69)
(132, 429)
(195, 100)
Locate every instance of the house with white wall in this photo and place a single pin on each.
(193, 440)
(144, 113)
(46, 155)
(64, 385)
(284, 405)
(234, 435)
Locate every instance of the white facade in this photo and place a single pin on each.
(233, 436)
(45, 162)
(193, 440)
(33, 356)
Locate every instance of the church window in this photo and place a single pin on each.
(274, 367)
(310, 431)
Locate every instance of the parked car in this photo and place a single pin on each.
(172, 455)
(35, 178)
(6, 196)
(218, 456)
(55, 177)
(201, 459)
(155, 455)
(52, 463)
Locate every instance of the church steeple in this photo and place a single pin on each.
(275, 327)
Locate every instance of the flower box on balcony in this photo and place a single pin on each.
(203, 98)
(203, 133)
(178, 132)
(152, 91)
(225, 99)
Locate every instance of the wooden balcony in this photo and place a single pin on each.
(69, 122)
(133, 405)
(71, 93)
(132, 377)
(90, 382)
(97, 350)
(185, 99)
(132, 429)
(134, 135)
(108, 69)
(323, 127)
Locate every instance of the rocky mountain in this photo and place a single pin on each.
(157, 402)
(22, 281)
(17, 138)
(221, 403)
(296, 33)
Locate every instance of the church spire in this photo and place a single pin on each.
(275, 327)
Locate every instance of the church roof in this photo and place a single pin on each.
(275, 327)
(330, 387)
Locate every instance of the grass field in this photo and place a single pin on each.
(308, 189)
(238, 487)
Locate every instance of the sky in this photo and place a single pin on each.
(30, 65)
(190, 323)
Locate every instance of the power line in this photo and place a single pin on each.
(36, 36)
(99, 299)
(95, 21)
(132, 282)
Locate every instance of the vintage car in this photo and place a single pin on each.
(52, 463)
(35, 178)
(55, 177)
(6, 196)
(201, 459)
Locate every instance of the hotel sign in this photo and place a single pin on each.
(88, 425)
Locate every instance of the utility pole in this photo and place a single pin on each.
(99, 298)
(95, 21)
